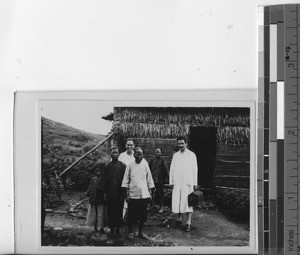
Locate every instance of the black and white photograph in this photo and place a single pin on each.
(123, 175)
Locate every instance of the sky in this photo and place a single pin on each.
(83, 115)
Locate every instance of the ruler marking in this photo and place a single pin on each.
(298, 124)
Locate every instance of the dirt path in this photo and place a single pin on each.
(209, 228)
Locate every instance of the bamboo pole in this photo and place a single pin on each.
(82, 157)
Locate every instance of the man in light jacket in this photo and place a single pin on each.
(183, 180)
(138, 183)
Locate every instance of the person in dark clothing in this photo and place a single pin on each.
(114, 193)
(160, 175)
(96, 215)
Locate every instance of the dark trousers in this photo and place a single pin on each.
(137, 213)
(159, 194)
(115, 212)
(137, 210)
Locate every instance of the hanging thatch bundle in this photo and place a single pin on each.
(233, 135)
(154, 130)
(225, 135)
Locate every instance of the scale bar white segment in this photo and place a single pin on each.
(273, 52)
(280, 110)
(260, 15)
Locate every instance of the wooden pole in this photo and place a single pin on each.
(82, 157)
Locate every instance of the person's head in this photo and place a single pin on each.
(98, 172)
(158, 152)
(181, 142)
(114, 152)
(138, 154)
(129, 145)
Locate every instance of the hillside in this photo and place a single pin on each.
(62, 145)
(56, 130)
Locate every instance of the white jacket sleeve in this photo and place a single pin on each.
(125, 182)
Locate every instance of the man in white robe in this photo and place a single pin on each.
(183, 180)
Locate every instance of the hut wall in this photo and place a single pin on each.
(232, 167)
(152, 127)
(149, 144)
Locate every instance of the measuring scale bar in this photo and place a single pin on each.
(278, 129)
(291, 222)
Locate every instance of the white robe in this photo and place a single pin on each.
(183, 175)
(125, 158)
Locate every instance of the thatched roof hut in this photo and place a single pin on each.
(220, 137)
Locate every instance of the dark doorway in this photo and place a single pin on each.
(203, 142)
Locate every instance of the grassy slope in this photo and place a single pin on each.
(62, 145)
(55, 132)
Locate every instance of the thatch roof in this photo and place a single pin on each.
(233, 124)
(216, 117)
(109, 116)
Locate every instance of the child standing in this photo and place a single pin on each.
(160, 175)
(96, 215)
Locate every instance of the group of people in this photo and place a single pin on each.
(128, 183)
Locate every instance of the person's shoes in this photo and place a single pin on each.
(101, 231)
(143, 236)
(118, 234)
(160, 210)
(103, 238)
(130, 236)
(188, 228)
(109, 242)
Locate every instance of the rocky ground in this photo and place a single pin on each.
(209, 228)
